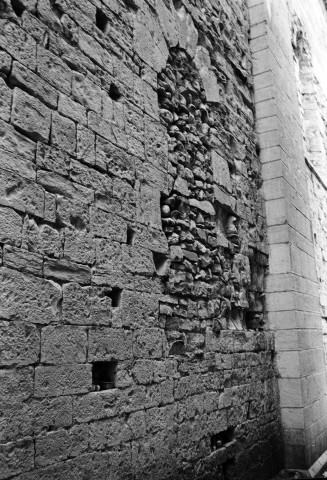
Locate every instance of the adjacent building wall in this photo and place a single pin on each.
(294, 292)
(134, 340)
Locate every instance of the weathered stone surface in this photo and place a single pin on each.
(86, 92)
(51, 448)
(10, 226)
(73, 110)
(25, 297)
(62, 380)
(23, 78)
(22, 260)
(16, 384)
(16, 457)
(110, 344)
(85, 148)
(18, 43)
(21, 419)
(19, 343)
(5, 63)
(220, 170)
(31, 116)
(226, 201)
(148, 343)
(66, 271)
(21, 194)
(79, 246)
(138, 309)
(85, 305)
(5, 102)
(13, 141)
(203, 205)
(17, 164)
(63, 133)
(63, 344)
(50, 158)
(109, 225)
(54, 70)
(41, 238)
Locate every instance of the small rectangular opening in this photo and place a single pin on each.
(115, 296)
(220, 439)
(101, 20)
(104, 375)
(161, 263)
(130, 235)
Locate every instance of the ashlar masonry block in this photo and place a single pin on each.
(31, 116)
(52, 381)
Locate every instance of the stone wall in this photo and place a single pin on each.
(313, 101)
(133, 318)
(292, 285)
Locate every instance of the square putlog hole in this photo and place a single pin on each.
(130, 235)
(161, 263)
(104, 375)
(115, 296)
(101, 20)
